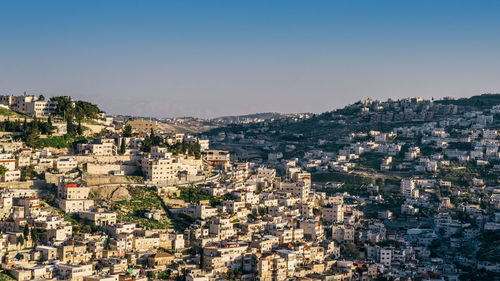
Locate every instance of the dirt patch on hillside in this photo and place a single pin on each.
(111, 193)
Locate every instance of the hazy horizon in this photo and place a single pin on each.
(254, 113)
(223, 58)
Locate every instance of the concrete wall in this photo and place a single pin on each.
(34, 184)
(107, 159)
(105, 169)
(103, 180)
(54, 178)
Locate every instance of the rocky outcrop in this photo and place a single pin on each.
(111, 192)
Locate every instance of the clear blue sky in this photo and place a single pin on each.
(210, 58)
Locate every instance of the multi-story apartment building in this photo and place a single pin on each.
(102, 147)
(272, 267)
(408, 188)
(217, 158)
(159, 170)
(73, 197)
(223, 256)
(312, 230)
(29, 105)
(74, 272)
(99, 218)
(66, 164)
(333, 213)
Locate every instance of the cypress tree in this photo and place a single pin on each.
(122, 147)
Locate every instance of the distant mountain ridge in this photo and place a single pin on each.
(263, 116)
(358, 116)
(479, 102)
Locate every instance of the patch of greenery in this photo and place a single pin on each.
(391, 202)
(80, 225)
(348, 178)
(142, 199)
(461, 146)
(191, 149)
(457, 176)
(8, 112)
(79, 109)
(65, 141)
(181, 221)
(371, 160)
(194, 194)
(353, 189)
(11, 126)
(478, 102)
(135, 178)
(5, 277)
(490, 246)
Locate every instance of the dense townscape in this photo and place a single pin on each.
(378, 190)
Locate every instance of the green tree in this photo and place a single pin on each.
(71, 129)
(155, 140)
(26, 231)
(146, 144)
(12, 126)
(34, 235)
(32, 138)
(151, 275)
(46, 127)
(183, 147)
(64, 107)
(197, 150)
(3, 170)
(86, 110)
(122, 147)
(32, 135)
(27, 173)
(164, 275)
(20, 240)
(127, 131)
(41, 98)
(202, 259)
(25, 124)
(79, 129)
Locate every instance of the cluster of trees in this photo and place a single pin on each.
(151, 140)
(194, 194)
(78, 110)
(44, 127)
(28, 172)
(65, 108)
(27, 234)
(191, 149)
(74, 130)
(490, 246)
(351, 178)
(65, 141)
(127, 132)
(32, 130)
(11, 126)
